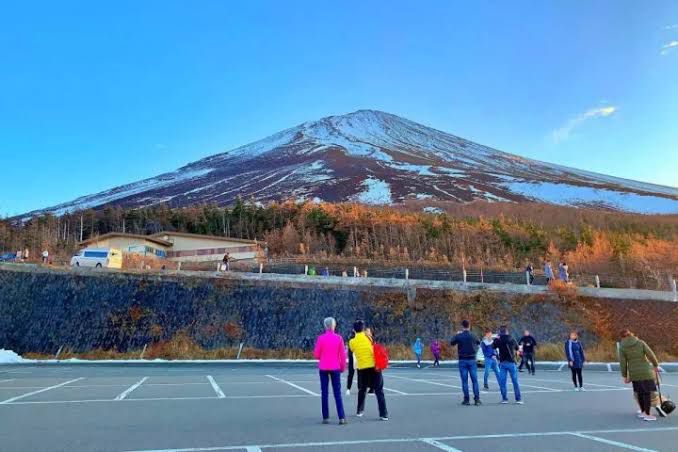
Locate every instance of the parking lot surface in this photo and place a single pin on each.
(201, 407)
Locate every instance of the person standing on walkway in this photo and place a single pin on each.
(436, 351)
(331, 355)
(506, 346)
(490, 356)
(226, 263)
(26, 254)
(45, 257)
(548, 271)
(418, 349)
(639, 366)
(530, 272)
(467, 347)
(368, 377)
(574, 351)
(351, 367)
(563, 271)
(529, 345)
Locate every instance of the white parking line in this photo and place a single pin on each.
(8, 380)
(395, 391)
(293, 385)
(439, 445)
(538, 387)
(417, 380)
(612, 443)
(583, 434)
(215, 386)
(129, 390)
(252, 449)
(570, 383)
(28, 394)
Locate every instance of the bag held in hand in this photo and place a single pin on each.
(667, 406)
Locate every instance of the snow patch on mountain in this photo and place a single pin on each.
(376, 192)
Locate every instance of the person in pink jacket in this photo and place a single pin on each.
(331, 355)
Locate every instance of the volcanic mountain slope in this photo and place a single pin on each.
(376, 157)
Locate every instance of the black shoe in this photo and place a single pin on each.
(486, 388)
(466, 403)
(326, 421)
(478, 402)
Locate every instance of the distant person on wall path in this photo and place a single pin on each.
(436, 351)
(26, 254)
(574, 351)
(368, 377)
(529, 344)
(530, 272)
(639, 366)
(467, 347)
(17, 256)
(331, 355)
(418, 349)
(226, 263)
(506, 346)
(548, 271)
(45, 257)
(563, 271)
(490, 355)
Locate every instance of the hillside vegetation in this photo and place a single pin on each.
(639, 250)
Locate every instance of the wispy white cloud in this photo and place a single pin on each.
(671, 27)
(563, 133)
(669, 47)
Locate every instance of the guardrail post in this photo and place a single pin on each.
(355, 272)
(597, 282)
(464, 275)
(141, 356)
(306, 270)
(58, 352)
(674, 289)
(527, 278)
(240, 350)
(261, 268)
(179, 266)
(407, 273)
(482, 278)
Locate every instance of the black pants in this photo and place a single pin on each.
(370, 378)
(644, 389)
(528, 360)
(577, 376)
(351, 371)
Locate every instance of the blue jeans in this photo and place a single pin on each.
(510, 368)
(490, 365)
(466, 367)
(335, 376)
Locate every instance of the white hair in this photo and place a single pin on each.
(329, 323)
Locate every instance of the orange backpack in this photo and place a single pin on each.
(380, 357)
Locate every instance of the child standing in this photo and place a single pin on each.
(574, 351)
(436, 351)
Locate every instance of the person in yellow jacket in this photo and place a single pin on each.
(368, 377)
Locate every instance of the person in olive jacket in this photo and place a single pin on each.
(639, 366)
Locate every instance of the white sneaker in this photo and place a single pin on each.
(576, 388)
(360, 414)
(582, 389)
(348, 392)
(504, 402)
(650, 418)
(520, 402)
(640, 414)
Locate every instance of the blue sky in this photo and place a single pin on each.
(97, 94)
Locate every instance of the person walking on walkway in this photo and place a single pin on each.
(490, 355)
(548, 271)
(436, 351)
(368, 377)
(574, 350)
(418, 349)
(563, 271)
(506, 346)
(331, 355)
(529, 344)
(467, 347)
(639, 366)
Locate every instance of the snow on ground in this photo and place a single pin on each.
(571, 194)
(435, 210)
(422, 170)
(9, 357)
(376, 191)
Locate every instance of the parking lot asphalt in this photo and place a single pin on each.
(124, 407)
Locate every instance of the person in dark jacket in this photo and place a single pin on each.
(529, 344)
(574, 350)
(506, 346)
(639, 366)
(530, 272)
(467, 347)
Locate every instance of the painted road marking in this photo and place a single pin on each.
(293, 385)
(395, 391)
(123, 395)
(8, 380)
(417, 380)
(570, 383)
(612, 443)
(215, 386)
(412, 440)
(28, 394)
(439, 445)
(561, 367)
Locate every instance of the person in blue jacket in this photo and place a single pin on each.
(574, 350)
(418, 349)
(490, 355)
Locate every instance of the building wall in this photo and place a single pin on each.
(199, 249)
(124, 243)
